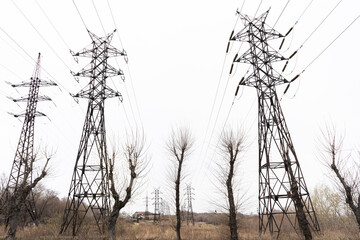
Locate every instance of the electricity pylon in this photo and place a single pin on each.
(283, 194)
(89, 188)
(156, 205)
(22, 167)
(147, 207)
(189, 210)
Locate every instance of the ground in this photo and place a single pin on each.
(165, 230)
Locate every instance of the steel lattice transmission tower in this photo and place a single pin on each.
(189, 210)
(22, 167)
(283, 194)
(156, 205)
(147, 207)
(89, 188)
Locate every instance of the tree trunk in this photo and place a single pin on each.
(15, 206)
(232, 207)
(300, 214)
(118, 205)
(112, 226)
(14, 221)
(348, 193)
(299, 206)
(177, 203)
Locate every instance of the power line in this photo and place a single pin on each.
(331, 43)
(51, 23)
(126, 115)
(17, 44)
(129, 73)
(10, 71)
(303, 12)
(222, 130)
(258, 7)
(217, 90)
(133, 90)
(291, 29)
(220, 77)
(113, 18)
(281, 13)
(97, 13)
(42, 37)
(312, 61)
(99, 18)
(242, 5)
(320, 23)
(274, 135)
(58, 33)
(80, 15)
(216, 119)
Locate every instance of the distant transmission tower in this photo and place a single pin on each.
(147, 207)
(22, 168)
(156, 205)
(283, 195)
(189, 210)
(89, 188)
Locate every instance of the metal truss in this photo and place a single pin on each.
(189, 211)
(22, 167)
(89, 188)
(156, 205)
(283, 194)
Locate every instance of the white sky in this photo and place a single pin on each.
(176, 51)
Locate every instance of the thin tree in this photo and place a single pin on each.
(16, 200)
(346, 177)
(136, 161)
(179, 147)
(231, 145)
(44, 200)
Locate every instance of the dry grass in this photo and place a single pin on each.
(164, 230)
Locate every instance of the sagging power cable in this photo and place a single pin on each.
(322, 52)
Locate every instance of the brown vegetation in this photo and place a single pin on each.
(212, 227)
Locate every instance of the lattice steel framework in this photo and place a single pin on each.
(22, 167)
(156, 205)
(283, 194)
(189, 210)
(147, 207)
(89, 188)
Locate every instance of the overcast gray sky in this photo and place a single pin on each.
(176, 53)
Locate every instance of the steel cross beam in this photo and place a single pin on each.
(89, 188)
(283, 194)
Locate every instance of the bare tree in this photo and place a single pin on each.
(231, 145)
(330, 208)
(345, 169)
(179, 147)
(46, 202)
(136, 162)
(16, 199)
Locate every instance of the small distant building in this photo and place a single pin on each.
(142, 215)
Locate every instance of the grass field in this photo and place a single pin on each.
(127, 230)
